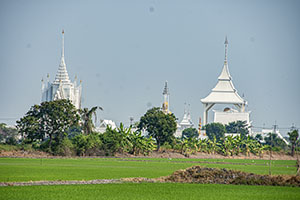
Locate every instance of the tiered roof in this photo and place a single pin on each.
(62, 74)
(224, 92)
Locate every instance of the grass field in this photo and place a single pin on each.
(149, 191)
(27, 169)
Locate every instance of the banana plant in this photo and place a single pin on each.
(214, 145)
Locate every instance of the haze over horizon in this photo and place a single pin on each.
(124, 51)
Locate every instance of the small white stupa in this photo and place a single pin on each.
(62, 87)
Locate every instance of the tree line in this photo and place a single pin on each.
(59, 128)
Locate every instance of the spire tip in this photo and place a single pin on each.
(226, 41)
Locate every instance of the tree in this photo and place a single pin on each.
(240, 127)
(8, 135)
(190, 133)
(215, 130)
(274, 141)
(86, 116)
(159, 125)
(50, 119)
(293, 137)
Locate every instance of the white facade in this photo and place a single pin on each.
(231, 115)
(185, 123)
(103, 125)
(265, 133)
(62, 87)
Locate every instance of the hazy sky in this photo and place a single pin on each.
(123, 51)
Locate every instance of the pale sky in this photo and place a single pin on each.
(124, 51)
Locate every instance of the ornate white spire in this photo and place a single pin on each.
(166, 89)
(165, 106)
(62, 74)
(225, 75)
(226, 46)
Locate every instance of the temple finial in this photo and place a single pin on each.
(166, 89)
(63, 44)
(226, 46)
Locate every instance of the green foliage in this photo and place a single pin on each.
(86, 116)
(190, 133)
(123, 139)
(293, 137)
(215, 130)
(8, 135)
(240, 127)
(141, 144)
(274, 141)
(159, 125)
(87, 144)
(53, 119)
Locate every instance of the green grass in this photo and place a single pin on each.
(27, 169)
(149, 191)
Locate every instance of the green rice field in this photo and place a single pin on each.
(30, 169)
(33, 169)
(131, 191)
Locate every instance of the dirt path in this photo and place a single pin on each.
(163, 154)
(97, 181)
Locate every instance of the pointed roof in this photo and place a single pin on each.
(166, 89)
(62, 74)
(186, 120)
(224, 91)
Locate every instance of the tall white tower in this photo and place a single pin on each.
(165, 105)
(62, 87)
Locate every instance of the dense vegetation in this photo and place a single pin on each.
(58, 128)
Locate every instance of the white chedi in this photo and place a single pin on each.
(62, 87)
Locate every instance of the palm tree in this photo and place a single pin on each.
(86, 116)
(293, 137)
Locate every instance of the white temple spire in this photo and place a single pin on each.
(165, 106)
(62, 74)
(226, 46)
(63, 44)
(62, 87)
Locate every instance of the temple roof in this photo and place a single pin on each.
(62, 74)
(224, 91)
(186, 121)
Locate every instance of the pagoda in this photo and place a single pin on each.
(62, 87)
(225, 93)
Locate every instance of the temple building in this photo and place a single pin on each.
(225, 93)
(62, 87)
(185, 123)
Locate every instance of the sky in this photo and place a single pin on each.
(124, 51)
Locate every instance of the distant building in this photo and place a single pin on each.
(265, 133)
(62, 87)
(225, 93)
(103, 125)
(185, 123)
